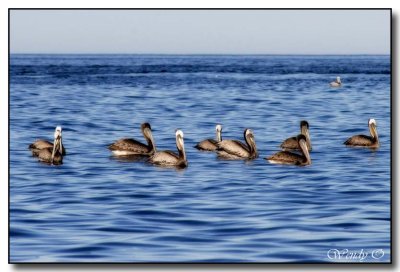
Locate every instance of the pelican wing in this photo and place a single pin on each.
(207, 145)
(41, 144)
(290, 143)
(233, 147)
(359, 140)
(286, 157)
(166, 157)
(129, 145)
(227, 156)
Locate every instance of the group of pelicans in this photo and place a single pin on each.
(295, 150)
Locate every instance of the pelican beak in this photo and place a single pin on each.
(304, 148)
(149, 134)
(308, 139)
(304, 130)
(218, 131)
(61, 146)
(252, 144)
(180, 144)
(55, 146)
(373, 130)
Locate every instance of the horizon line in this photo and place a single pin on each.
(205, 54)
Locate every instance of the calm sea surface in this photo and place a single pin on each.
(95, 208)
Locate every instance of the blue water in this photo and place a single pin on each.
(95, 208)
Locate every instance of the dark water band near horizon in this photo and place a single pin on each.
(96, 208)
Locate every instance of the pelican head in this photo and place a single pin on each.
(304, 124)
(179, 133)
(371, 122)
(249, 137)
(148, 135)
(218, 129)
(179, 138)
(145, 125)
(146, 129)
(180, 144)
(338, 80)
(301, 139)
(304, 129)
(57, 144)
(372, 129)
(58, 132)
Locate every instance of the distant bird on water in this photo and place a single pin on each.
(336, 83)
(168, 157)
(211, 144)
(364, 140)
(48, 152)
(292, 143)
(286, 157)
(236, 150)
(129, 147)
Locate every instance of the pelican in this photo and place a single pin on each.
(286, 157)
(292, 143)
(169, 158)
(127, 147)
(336, 83)
(364, 140)
(43, 144)
(210, 144)
(236, 150)
(49, 152)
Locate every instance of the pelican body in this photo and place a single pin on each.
(129, 147)
(286, 157)
(236, 150)
(43, 144)
(364, 140)
(211, 144)
(292, 143)
(168, 157)
(51, 153)
(336, 83)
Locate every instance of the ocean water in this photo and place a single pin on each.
(97, 208)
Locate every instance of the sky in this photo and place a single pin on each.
(201, 31)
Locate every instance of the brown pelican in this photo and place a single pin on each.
(43, 144)
(169, 158)
(236, 150)
(49, 152)
(364, 140)
(210, 144)
(286, 157)
(336, 83)
(127, 147)
(292, 143)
